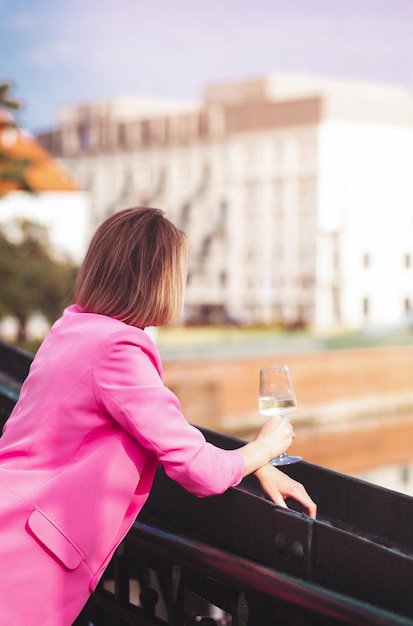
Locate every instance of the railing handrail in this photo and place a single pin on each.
(244, 574)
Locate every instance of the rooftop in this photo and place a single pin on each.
(25, 165)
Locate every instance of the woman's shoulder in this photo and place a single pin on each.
(107, 333)
(96, 324)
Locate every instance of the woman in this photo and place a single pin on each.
(79, 453)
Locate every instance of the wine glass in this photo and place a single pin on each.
(277, 397)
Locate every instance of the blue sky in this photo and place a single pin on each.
(59, 51)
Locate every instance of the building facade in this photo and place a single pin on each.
(296, 193)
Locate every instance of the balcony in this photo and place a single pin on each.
(238, 559)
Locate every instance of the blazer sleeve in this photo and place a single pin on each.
(128, 385)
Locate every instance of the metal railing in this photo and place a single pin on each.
(237, 559)
(264, 565)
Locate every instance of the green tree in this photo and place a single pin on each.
(6, 100)
(33, 278)
(12, 169)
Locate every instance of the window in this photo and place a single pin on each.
(366, 260)
(122, 136)
(84, 137)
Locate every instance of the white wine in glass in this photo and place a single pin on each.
(277, 397)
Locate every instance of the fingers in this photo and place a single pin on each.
(278, 500)
(287, 435)
(298, 492)
(278, 434)
(280, 486)
(310, 507)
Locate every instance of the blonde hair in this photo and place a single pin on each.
(135, 268)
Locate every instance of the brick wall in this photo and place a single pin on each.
(355, 406)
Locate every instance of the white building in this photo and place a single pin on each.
(64, 215)
(296, 193)
(45, 194)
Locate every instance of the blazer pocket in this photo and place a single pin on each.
(53, 538)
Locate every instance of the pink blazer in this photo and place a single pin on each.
(78, 458)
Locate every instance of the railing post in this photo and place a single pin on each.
(240, 613)
(175, 597)
(148, 598)
(121, 574)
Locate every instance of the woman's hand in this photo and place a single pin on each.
(275, 437)
(278, 486)
(278, 434)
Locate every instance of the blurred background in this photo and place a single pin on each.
(279, 136)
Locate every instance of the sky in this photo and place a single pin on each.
(59, 52)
